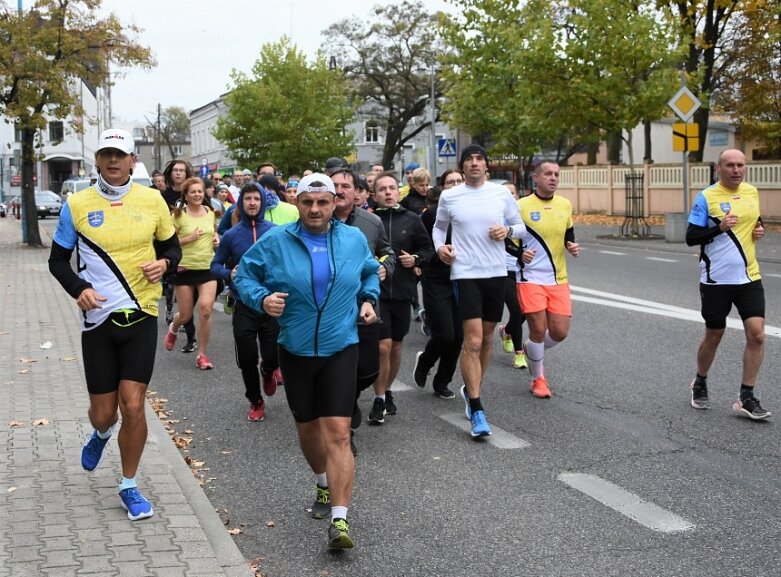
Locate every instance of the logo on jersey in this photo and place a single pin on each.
(535, 216)
(95, 218)
(725, 207)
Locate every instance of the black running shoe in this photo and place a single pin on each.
(444, 392)
(750, 408)
(699, 395)
(377, 414)
(390, 406)
(418, 373)
(190, 346)
(355, 420)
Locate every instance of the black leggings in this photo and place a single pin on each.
(514, 326)
(250, 329)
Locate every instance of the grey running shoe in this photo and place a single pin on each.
(699, 395)
(322, 505)
(444, 392)
(339, 535)
(751, 409)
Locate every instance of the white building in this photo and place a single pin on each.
(64, 151)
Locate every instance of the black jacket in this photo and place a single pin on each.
(406, 233)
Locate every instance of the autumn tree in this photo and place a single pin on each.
(45, 54)
(288, 111)
(750, 91)
(563, 68)
(705, 36)
(172, 127)
(388, 59)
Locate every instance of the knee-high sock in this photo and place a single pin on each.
(549, 342)
(535, 353)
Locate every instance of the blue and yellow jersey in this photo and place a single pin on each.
(112, 239)
(546, 223)
(731, 257)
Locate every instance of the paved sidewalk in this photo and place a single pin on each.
(55, 518)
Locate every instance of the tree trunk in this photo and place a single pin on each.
(592, 149)
(614, 148)
(28, 188)
(648, 156)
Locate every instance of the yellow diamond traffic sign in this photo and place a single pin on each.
(684, 104)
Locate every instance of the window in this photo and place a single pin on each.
(372, 133)
(177, 149)
(17, 132)
(56, 131)
(138, 132)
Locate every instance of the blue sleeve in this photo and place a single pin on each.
(221, 257)
(370, 274)
(699, 213)
(65, 235)
(250, 277)
(225, 221)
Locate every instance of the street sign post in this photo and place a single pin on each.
(684, 104)
(446, 147)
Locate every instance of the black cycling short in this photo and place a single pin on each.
(481, 298)
(121, 348)
(320, 386)
(717, 301)
(395, 317)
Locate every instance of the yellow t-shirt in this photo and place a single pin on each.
(196, 255)
(546, 223)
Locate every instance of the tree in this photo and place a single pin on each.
(751, 87)
(389, 61)
(572, 69)
(173, 128)
(704, 28)
(288, 112)
(45, 53)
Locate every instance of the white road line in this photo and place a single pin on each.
(659, 259)
(771, 274)
(398, 387)
(612, 252)
(654, 308)
(218, 306)
(499, 438)
(626, 503)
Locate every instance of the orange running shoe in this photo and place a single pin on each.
(203, 363)
(540, 388)
(170, 338)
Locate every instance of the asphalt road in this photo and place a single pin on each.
(615, 475)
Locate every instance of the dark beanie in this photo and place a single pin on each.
(469, 151)
(269, 182)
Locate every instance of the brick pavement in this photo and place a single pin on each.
(55, 518)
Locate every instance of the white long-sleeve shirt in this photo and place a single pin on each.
(471, 212)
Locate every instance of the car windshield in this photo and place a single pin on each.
(46, 196)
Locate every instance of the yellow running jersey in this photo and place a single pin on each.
(546, 223)
(112, 239)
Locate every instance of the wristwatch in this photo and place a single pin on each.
(372, 301)
(509, 231)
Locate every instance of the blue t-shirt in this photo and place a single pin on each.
(321, 270)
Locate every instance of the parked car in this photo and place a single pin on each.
(48, 203)
(73, 185)
(141, 175)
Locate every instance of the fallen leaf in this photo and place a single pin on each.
(15, 424)
(23, 372)
(68, 358)
(197, 464)
(26, 360)
(10, 489)
(189, 432)
(324, 573)
(41, 421)
(270, 524)
(234, 531)
(226, 452)
(5, 333)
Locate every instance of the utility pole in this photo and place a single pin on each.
(433, 119)
(158, 164)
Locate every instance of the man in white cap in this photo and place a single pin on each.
(125, 241)
(318, 277)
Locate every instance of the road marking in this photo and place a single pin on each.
(612, 252)
(771, 274)
(659, 259)
(499, 438)
(218, 306)
(654, 308)
(397, 386)
(626, 503)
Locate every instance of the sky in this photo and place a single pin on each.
(198, 42)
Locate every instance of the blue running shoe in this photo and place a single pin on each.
(135, 504)
(92, 452)
(480, 426)
(467, 408)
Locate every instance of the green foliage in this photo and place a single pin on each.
(288, 111)
(529, 75)
(388, 59)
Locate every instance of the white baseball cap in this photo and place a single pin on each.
(116, 138)
(326, 184)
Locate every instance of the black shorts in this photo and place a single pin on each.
(395, 316)
(481, 298)
(191, 277)
(717, 301)
(119, 349)
(320, 386)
